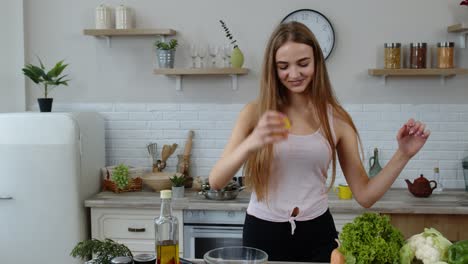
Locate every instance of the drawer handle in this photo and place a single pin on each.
(136, 230)
(6, 197)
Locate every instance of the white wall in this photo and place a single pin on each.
(123, 73)
(12, 90)
(130, 127)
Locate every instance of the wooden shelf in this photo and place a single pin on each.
(129, 32)
(460, 29)
(418, 72)
(180, 72)
(109, 33)
(199, 71)
(442, 73)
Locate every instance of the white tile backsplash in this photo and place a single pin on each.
(130, 126)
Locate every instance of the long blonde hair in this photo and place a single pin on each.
(273, 96)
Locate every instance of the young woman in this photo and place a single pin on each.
(286, 167)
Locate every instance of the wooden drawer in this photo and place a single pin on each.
(123, 226)
(132, 227)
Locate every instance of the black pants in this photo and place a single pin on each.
(313, 240)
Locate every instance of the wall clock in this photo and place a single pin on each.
(318, 24)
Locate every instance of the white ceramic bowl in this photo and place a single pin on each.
(236, 255)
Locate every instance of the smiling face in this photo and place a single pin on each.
(295, 66)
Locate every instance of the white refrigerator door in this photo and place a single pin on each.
(41, 213)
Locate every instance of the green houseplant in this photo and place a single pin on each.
(237, 57)
(178, 188)
(48, 79)
(165, 52)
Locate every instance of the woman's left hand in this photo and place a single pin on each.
(411, 137)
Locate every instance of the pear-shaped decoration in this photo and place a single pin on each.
(237, 58)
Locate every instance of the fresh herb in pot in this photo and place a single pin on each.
(161, 45)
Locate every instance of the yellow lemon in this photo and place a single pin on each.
(287, 124)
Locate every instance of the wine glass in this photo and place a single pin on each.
(202, 54)
(213, 51)
(227, 53)
(194, 54)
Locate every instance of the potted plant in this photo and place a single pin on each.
(49, 79)
(165, 52)
(178, 188)
(237, 57)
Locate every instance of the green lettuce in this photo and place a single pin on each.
(370, 238)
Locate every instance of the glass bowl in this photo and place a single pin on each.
(236, 255)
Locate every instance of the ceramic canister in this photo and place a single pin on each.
(103, 17)
(123, 17)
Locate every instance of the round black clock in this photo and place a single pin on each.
(318, 24)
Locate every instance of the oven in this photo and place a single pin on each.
(208, 229)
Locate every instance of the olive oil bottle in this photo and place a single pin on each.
(166, 229)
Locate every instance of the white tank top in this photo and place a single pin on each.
(298, 179)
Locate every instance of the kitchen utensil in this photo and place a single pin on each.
(222, 195)
(465, 172)
(421, 187)
(152, 150)
(188, 144)
(238, 255)
(166, 152)
(158, 180)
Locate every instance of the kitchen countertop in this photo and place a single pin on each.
(397, 201)
(200, 261)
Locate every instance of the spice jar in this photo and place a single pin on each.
(445, 54)
(418, 53)
(392, 58)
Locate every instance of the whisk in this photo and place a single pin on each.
(152, 150)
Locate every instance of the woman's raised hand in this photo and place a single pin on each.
(411, 137)
(272, 127)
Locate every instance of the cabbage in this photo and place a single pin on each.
(430, 247)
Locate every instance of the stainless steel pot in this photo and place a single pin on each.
(221, 195)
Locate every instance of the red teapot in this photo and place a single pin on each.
(421, 187)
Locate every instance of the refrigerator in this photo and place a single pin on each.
(49, 164)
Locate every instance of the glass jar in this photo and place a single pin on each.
(445, 52)
(122, 260)
(392, 59)
(418, 52)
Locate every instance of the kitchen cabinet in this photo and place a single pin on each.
(453, 227)
(132, 227)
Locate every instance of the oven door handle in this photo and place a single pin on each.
(233, 232)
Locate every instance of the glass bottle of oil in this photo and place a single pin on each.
(166, 232)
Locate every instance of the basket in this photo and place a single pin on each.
(158, 180)
(135, 183)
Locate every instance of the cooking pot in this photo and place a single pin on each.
(221, 194)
